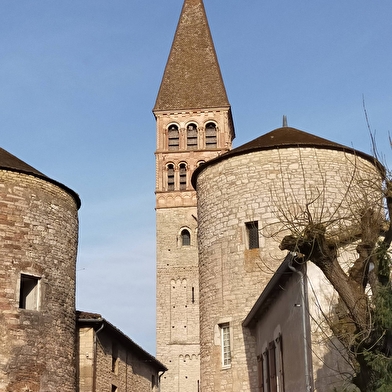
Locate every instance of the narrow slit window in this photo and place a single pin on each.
(173, 136)
(182, 176)
(185, 237)
(225, 343)
(211, 141)
(252, 229)
(170, 177)
(191, 137)
(29, 292)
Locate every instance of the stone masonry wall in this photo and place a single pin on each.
(127, 373)
(178, 300)
(178, 337)
(260, 186)
(86, 359)
(38, 240)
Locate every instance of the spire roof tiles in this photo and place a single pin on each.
(192, 77)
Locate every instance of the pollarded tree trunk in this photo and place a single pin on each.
(371, 340)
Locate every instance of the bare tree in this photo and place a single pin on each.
(321, 225)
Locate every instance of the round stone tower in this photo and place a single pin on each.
(38, 245)
(246, 199)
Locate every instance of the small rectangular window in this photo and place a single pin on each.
(29, 292)
(225, 344)
(114, 388)
(252, 229)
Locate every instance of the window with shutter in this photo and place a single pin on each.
(211, 140)
(260, 378)
(170, 177)
(173, 137)
(182, 176)
(272, 367)
(191, 137)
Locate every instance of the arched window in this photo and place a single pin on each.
(185, 237)
(170, 177)
(173, 136)
(191, 137)
(182, 176)
(211, 135)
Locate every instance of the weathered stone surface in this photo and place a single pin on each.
(38, 238)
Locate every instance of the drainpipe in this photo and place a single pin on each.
(303, 306)
(159, 379)
(95, 356)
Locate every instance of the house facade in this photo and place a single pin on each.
(280, 322)
(110, 361)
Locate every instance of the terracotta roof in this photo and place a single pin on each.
(285, 137)
(192, 78)
(12, 163)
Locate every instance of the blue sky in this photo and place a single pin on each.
(78, 80)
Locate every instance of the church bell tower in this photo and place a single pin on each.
(193, 124)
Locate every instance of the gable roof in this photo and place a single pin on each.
(272, 290)
(12, 163)
(97, 321)
(192, 78)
